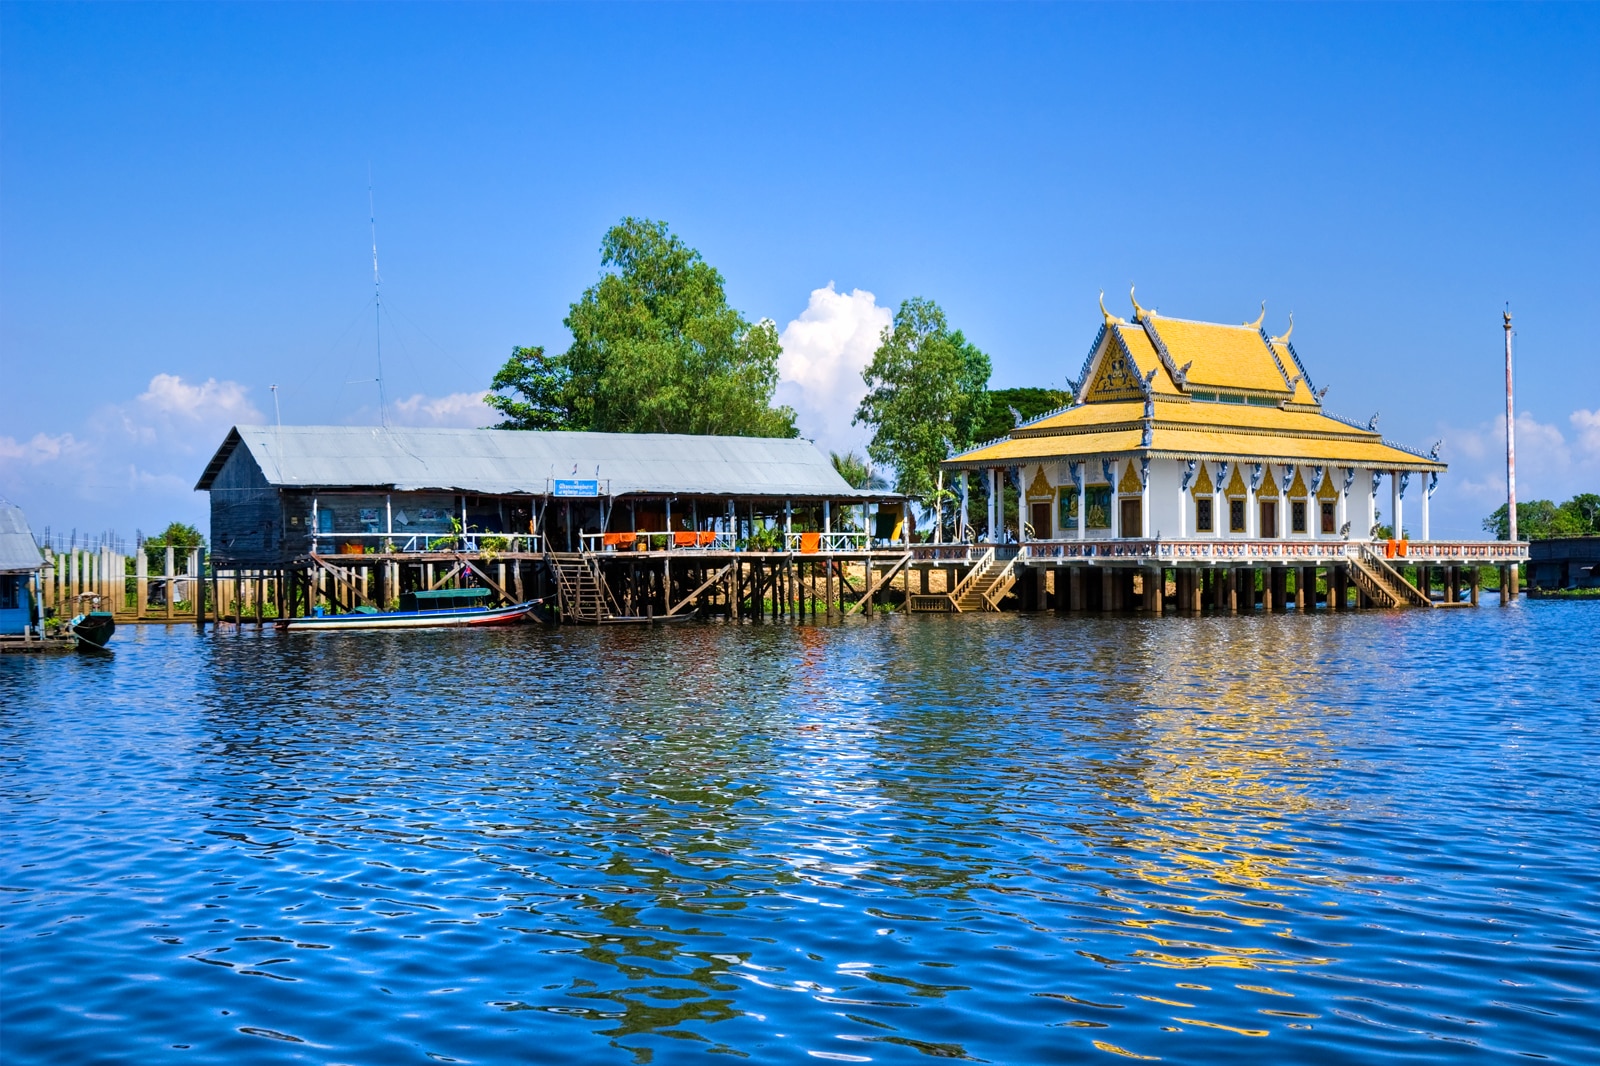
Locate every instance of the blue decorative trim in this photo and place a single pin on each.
(1353, 424)
(1179, 377)
(1088, 362)
(1300, 367)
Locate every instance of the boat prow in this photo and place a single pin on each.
(441, 618)
(93, 630)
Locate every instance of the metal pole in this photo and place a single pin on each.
(1511, 441)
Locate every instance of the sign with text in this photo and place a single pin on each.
(576, 487)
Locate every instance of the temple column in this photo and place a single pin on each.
(1083, 498)
(1425, 495)
(1394, 505)
(961, 533)
(1108, 594)
(1252, 511)
(1144, 510)
(1183, 509)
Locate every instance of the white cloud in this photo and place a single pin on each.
(824, 351)
(210, 401)
(41, 448)
(127, 464)
(1550, 466)
(463, 409)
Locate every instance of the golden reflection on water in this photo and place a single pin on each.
(1201, 809)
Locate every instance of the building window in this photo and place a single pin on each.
(1329, 516)
(1269, 519)
(1097, 507)
(1297, 516)
(1236, 516)
(1202, 515)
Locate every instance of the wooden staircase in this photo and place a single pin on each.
(982, 589)
(1382, 583)
(582, 591)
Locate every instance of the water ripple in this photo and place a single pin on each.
(999, 839)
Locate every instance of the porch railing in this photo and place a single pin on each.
(829, 542)
(422, 543)
(680, 541)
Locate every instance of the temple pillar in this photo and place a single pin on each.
(1394, 505)
(1108, 591)
(1474, 582)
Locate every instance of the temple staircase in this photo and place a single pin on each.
(1382, 583)
(982, 589)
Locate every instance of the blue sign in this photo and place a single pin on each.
(573, 487)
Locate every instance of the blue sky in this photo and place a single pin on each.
(183, 207)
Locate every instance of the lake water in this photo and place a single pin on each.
(1013, 839)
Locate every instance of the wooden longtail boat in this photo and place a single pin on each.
(91, 627)
(439, 609)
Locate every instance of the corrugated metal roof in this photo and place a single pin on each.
(18, 552)
(513, 462)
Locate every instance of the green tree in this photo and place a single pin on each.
(926, 396)
(179, 536)
(998, 417)
(1542, 519)
(856, 471)
(541, 391)
(1586, 508)
(656, 348)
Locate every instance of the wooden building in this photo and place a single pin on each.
(1203, 451)
(613, 525)
(20, 563)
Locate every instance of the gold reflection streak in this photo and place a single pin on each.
(1227, 727)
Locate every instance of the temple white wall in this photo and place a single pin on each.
(1171, 511)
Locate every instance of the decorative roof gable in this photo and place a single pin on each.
(1130, 483)
(1236, 489)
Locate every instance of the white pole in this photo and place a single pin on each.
(1394, 503)
(1511, 442)
(1083, 499)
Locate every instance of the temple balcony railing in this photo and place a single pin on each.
(476, 543)
(1284, 552)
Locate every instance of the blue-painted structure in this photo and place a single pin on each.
(20, 560)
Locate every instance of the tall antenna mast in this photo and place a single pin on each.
(377, 298)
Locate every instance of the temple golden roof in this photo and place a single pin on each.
(1168, 387)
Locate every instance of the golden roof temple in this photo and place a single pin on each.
(1170, 388)
(1201, 447)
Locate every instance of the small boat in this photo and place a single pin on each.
(439, 609)
(92, 628)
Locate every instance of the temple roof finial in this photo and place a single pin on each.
(1140, 314)
(1259, 318)
(1111, 319)
(1285, 338)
